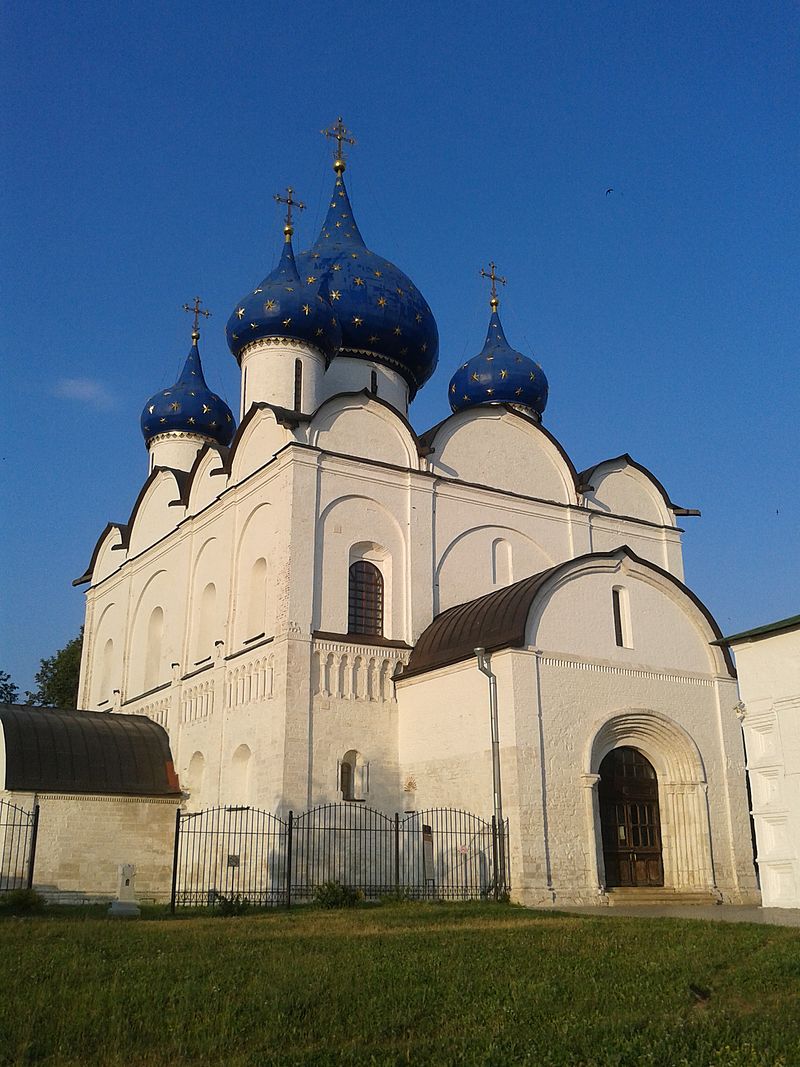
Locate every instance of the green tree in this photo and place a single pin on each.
(9, 691)
(57, 677)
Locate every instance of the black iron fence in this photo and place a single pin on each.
(227, 854)
(18, 828)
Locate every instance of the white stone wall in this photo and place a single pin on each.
(560, 713)
(83, 838)
(769, 681)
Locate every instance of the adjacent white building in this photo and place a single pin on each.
(298, 602)
(768, 662)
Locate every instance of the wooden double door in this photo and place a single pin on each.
(630, 820)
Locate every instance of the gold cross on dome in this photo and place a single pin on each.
(197, 312)
(290, 202)
(342, 136)
(492, 274)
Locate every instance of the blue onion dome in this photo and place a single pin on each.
(189, 406)
(499, 375)
(383, 315)
(288, 307)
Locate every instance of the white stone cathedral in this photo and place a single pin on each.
(299, 602)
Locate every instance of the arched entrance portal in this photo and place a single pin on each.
(630, 819)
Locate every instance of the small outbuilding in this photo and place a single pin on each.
(107, 793)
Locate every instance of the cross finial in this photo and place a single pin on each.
(492, 274)
(342, 135)
(290, 202)
(197, 312)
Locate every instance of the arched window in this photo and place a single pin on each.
(298, 385)
(241, 776)
(501, 562)
(353, 775)
(365, 599)
(205, 622)
(105, 676)
(622, 617)
(152, 661)
(257, 600)
(194, 776)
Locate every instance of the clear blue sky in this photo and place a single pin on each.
(143, 144)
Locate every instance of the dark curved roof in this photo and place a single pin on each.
(499, 619)
(53, 750)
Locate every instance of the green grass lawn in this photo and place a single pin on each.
(420, 984)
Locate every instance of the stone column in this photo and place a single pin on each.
(594, 836)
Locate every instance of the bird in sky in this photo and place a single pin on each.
(609, 191)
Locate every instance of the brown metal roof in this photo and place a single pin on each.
(494, 621)
(499, 619)
(55, 750)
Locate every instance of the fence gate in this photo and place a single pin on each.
(245, 853)
(18, 828)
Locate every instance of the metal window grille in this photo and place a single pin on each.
(365, 601)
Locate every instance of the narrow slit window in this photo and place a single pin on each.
(365, 599)
(373, 383)
(622, 619)
(298, 385)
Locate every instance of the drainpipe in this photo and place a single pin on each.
(485, 667)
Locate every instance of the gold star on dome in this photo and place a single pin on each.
(191, 391)
(397, 331)
(475, 377)
(489, 358)
(490, 392)
(270, 305)
(235, 336)
(306, 309)
(373, 339)
(399, 291)
(152, 408)
(333, 203)
(381, 301)
(336, 294)
(358, 281)
(336, 266)
(257, 291)
(174, 406)
(354, 255)
(518, 392)
(318, 331)
(377, 273)
(191, 420)
(206, 409)
(465, 397)
(310, 279)
(424, 346)
(253, 325)
(504, 373)
(315, 255)
(162, 420)
(403, 351)
(289, 288)
(287, 322)
(453, 387)
(240, 313)
(338, 225)
(418, 317)
(166, 393)
(518, 359)
(357, 321)
(533, 376)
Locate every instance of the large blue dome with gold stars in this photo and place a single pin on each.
(499, 375)
(382, 314)
(286, 305)
(188, 406)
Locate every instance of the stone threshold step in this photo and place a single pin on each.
(660, 896)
